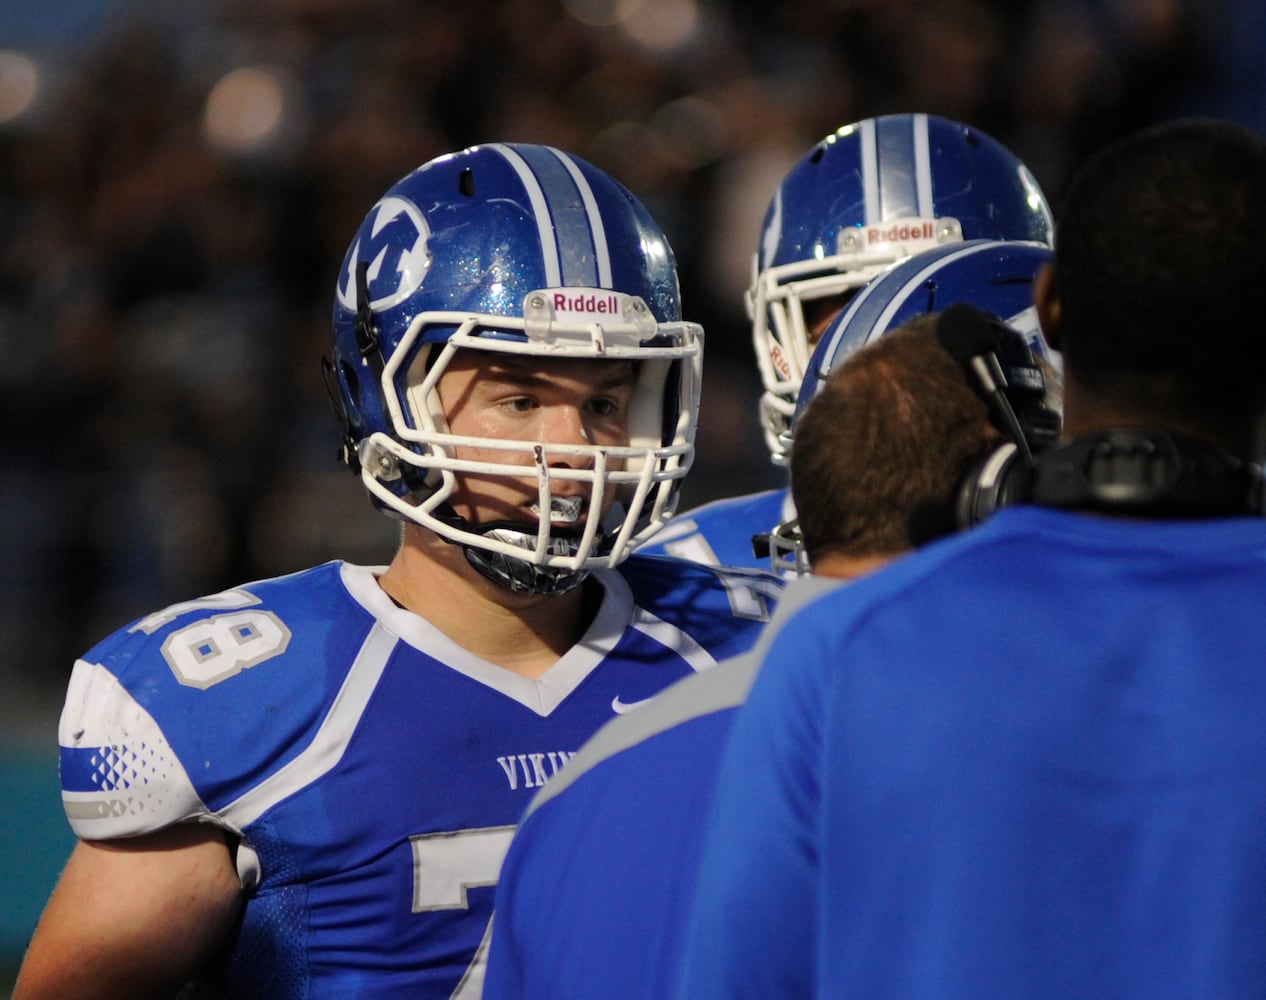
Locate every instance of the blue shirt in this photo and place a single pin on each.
(1027, 761)
(720, 533)
(600, 877)
(372, 769)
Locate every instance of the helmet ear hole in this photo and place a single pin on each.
(352, 381)
(343, 390)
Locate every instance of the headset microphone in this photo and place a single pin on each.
(1004, 372)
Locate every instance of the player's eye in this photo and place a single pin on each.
(605, 407)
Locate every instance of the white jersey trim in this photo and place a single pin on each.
(541, 694)
(672, 637)
(330, 742)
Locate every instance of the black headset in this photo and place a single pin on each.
(1133, 472)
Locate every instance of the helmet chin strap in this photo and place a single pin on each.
(517, 575)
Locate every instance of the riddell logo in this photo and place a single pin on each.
(605, 305)
(901, 232)
(780, 361)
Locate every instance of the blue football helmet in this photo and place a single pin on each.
(868, 195)
(525, 250)
(996, 276)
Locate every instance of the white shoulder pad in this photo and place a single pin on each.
(119, 776)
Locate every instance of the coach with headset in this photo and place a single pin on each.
(1030, 759)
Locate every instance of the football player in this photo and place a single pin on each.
(304, 786)
(869, 195)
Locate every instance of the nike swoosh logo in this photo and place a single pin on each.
(620, 707)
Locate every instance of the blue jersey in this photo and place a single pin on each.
(1026, 762)
(607, 855)
(372, 769)
(720, 533)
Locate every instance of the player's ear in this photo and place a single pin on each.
(1046, 300)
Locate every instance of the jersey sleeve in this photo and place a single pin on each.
(180, 714)
(720, 533)
(722, 609)
(120, 777)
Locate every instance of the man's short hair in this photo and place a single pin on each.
(893, 428)
(1160, 253)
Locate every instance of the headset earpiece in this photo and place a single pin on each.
(1003, 476)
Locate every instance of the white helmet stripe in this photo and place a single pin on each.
(925, 207)
(554, 185)
(597, 232)
(896, 155)
(870, 171)
(549, 249)
(773, 230)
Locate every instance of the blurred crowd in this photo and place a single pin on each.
(177, 191)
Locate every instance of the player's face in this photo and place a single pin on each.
(561, 402)
(818, 314)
